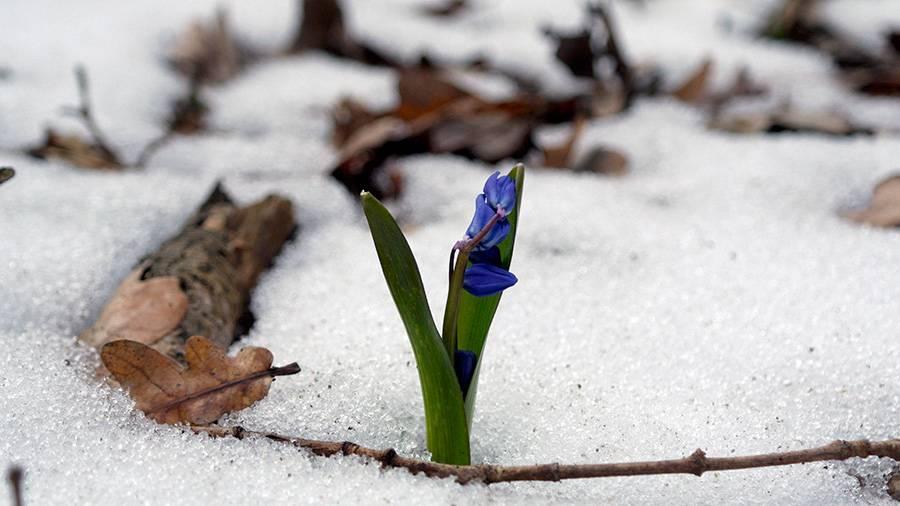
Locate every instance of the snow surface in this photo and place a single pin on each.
(711, 298)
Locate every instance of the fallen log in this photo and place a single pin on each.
(199, 281)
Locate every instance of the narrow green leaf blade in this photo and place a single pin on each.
(477, 313)
(445, 418)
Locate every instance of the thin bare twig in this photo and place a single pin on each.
(697, 463)
(187, 117)
(623, 69)
(151, 148)
(86, 113)
(186, 114)
(14, 475)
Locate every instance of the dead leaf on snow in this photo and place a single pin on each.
(884, 208)
(347, 117)
(6, 173)
(693, 89)
(424, 91)
(435, 115)
(881, 81)
(893, 39)
(374, 134)
(212, 384)
(142, 310)
(822, 122)
(744, 85)
(791, 20)
(602, 160)
(73, 149)
(558, 156)
(207, 52)
(370, 147)
(575, 51)
(598, 159)
(487, 136)
(447, 9)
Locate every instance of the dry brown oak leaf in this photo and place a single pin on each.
(884, 209)
(144, 310)
(693, 89)
(212, 384)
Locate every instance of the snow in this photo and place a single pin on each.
(711, 298)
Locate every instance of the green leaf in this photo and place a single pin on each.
(445, 418)
(477, 313)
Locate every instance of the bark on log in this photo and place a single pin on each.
(199, 281)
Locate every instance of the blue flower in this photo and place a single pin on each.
(464, 365)
(486, 279)
(500, 192)
(488, 256)
(486, 275)
(483, 214)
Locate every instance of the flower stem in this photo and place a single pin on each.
(451, 309)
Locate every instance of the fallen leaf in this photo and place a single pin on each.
(790, 20)
(879, 81)
(743, 86)
(6, 173)
(693, 89)
(207, 52)
(893, 39)
(367, 150)
(212, 384)
(884, 208)
(142, 310)
(76, 151)
(812, 121)
(828, 123)
(436, 115)
(559, 156)
(580, 52)
(575, 51)
(800, 21)
(604, 102)
(602, 160)
(747, 123)
(424, 91)
(893, 486)
(348, 117)
(488, 137)
(447, 9)
(374, 135)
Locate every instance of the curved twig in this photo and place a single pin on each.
(697, 463)
(14, 476)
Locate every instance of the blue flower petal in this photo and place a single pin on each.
(500, 192)
(483, 214)
(464, 365)
(484, 279)
(490, 256)
(495, 236)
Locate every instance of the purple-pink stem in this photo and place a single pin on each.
(457, 274)
(469, 243)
